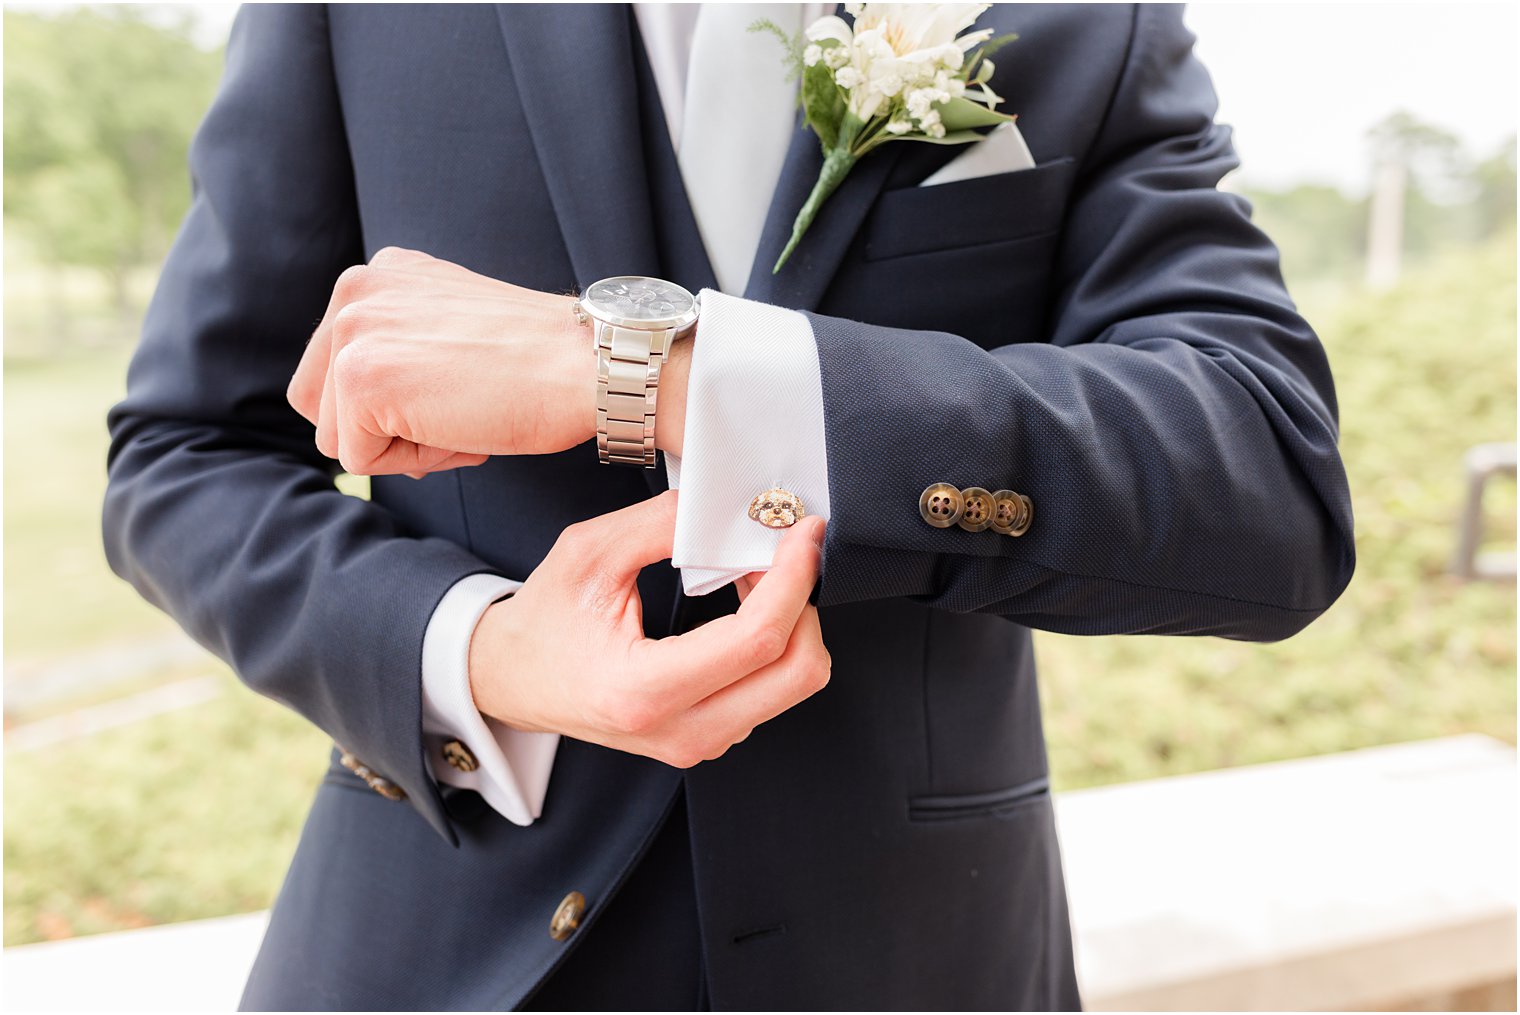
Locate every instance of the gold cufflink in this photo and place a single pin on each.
(777, 508)
(459, 757)
(377, 782)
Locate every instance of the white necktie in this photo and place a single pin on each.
(738, 101)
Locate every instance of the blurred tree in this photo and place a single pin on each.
(1494, 206)
(100, 105)
(1431, 155)
(1446, 199)
(1319, 230)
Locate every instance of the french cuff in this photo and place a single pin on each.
(754, 421)
(509, 768)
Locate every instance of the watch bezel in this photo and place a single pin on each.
(592, 308)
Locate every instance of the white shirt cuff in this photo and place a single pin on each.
(512, 773)
(754, 420)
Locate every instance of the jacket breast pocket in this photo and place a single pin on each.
(1023, 204)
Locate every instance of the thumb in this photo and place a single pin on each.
(624, 542)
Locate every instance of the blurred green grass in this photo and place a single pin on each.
(195, 813)
(55, 477)
(1422, 372)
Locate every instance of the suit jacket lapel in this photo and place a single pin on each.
(805, 277)
(574, 69)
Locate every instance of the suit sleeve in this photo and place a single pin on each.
(219, 508)
(1177, 435)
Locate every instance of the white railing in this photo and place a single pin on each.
(1382, 878)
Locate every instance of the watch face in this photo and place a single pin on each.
(636, 301)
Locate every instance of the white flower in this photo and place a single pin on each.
(896, 50)
(920, 100)
(900, 69)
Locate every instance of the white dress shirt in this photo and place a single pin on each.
(731, 115)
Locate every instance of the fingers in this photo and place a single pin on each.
(620, 544)
(699, 663)
(305, 389)
(729, 715)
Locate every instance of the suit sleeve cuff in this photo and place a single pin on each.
(754, 420)
(512, 767)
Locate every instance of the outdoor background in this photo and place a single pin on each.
(143, 784)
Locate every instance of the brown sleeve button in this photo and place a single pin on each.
(1006, 508)
(567, 916)
(1022, 523)
(941, 505)
(377, 782)
(458, 756)
(977, 513)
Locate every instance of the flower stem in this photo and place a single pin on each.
(836, 166)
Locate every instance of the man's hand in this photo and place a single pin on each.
(421, 365)
(567, 654)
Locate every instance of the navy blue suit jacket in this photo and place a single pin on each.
(1106, 332)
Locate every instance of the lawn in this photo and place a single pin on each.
(195, 813)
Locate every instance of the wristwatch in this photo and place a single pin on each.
(634, 321)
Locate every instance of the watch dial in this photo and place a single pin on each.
(636, 298)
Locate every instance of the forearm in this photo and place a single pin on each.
(1179, 487)
(316, 599)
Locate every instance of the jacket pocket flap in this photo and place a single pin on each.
(984, 209)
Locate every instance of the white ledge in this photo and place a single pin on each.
(1374, 879)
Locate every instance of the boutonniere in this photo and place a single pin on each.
(902, 72)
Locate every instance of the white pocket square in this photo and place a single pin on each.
(1003, 151)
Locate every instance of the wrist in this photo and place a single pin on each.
(670, 408)
(489, 647)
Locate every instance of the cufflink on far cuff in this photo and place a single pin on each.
(777, 508)
(459, 756)
(377, 782)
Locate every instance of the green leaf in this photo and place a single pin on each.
(951, 137)
(986, 49)
(964, 114)
(823, 104)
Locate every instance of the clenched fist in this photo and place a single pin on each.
(421, 365)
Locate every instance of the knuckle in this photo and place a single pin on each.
(626, 713)
(578, 540)
(769, 642)
(681, 755)
(296, 393)
(352, 465)
(717, 748)
(353, 283)
(388, 255)
(352, 368)
(350, 320)
(818, 674)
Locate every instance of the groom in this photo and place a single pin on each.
(1047, 381)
